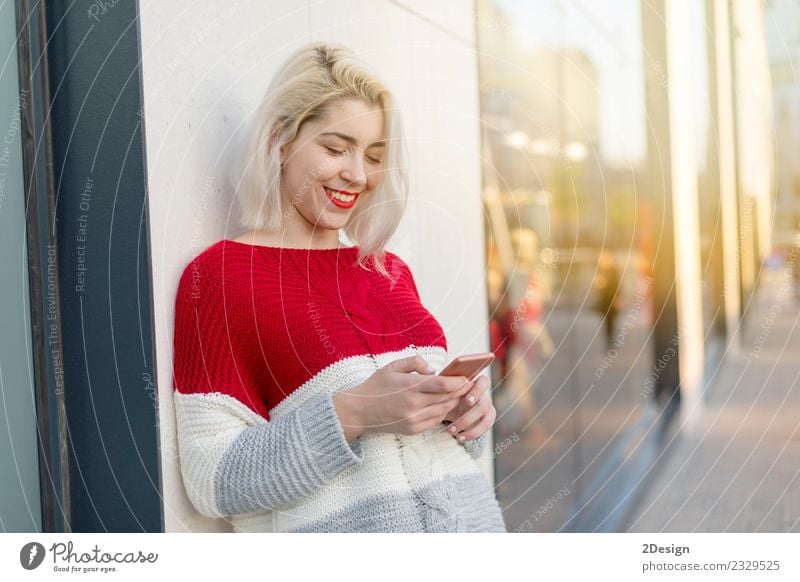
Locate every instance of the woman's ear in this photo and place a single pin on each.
(284, 149)
(271, 141)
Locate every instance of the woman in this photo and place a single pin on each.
(304, 387)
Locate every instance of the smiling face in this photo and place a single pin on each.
(333, 164)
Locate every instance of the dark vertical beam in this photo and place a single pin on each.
(40, 202)
(104, 266)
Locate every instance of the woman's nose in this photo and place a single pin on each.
(354, 174)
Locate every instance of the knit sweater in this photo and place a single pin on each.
(264, 337)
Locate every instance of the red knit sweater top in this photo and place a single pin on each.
(258, 322)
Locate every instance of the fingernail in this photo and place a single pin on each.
(461, 438)
(471, 399)
(452, 428)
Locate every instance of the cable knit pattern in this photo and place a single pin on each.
(264, 337)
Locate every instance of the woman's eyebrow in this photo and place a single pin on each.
(352, 140)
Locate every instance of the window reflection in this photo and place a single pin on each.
(568, 231)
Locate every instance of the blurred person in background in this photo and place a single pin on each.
(606, 285)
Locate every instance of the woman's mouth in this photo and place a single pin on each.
(340, 198)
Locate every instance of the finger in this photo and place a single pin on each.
(416, 364)
(465, 389)
(463, 429)
(429, 385)
(454, 399)
(421, 413)
(437, 411)
(428, 399)
(453, 385)
(471, 416)
(479, 388)
(428, 418)
(480, 427)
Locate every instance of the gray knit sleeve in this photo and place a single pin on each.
(233, 461)
(277, 463)
(476, 446)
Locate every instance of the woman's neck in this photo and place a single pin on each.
(286, 240)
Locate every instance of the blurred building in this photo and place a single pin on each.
(629, 178)
(783, 45)
(601, 182)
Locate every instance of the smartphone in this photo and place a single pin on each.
(469, 365)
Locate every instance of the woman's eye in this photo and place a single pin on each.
(334, 151)
(373, 160)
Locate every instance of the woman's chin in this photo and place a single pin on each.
(332, 221)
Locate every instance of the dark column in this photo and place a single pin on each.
(103, 265)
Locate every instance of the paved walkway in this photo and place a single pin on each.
(741, 471)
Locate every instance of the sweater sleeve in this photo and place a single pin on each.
(234, 460)
(476, 446)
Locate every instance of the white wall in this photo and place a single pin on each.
(729, 202)
(683, 168)
(206, 65)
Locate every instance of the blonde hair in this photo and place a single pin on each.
(311, 80)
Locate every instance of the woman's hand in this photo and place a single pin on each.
(396, 400)
(471, 418)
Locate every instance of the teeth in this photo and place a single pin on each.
(341, 197)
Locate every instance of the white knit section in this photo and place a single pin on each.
(393, 464)
(386, 469)
(389, 467)
(207, 425)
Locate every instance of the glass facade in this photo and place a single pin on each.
(627, 215)
(568, 235)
